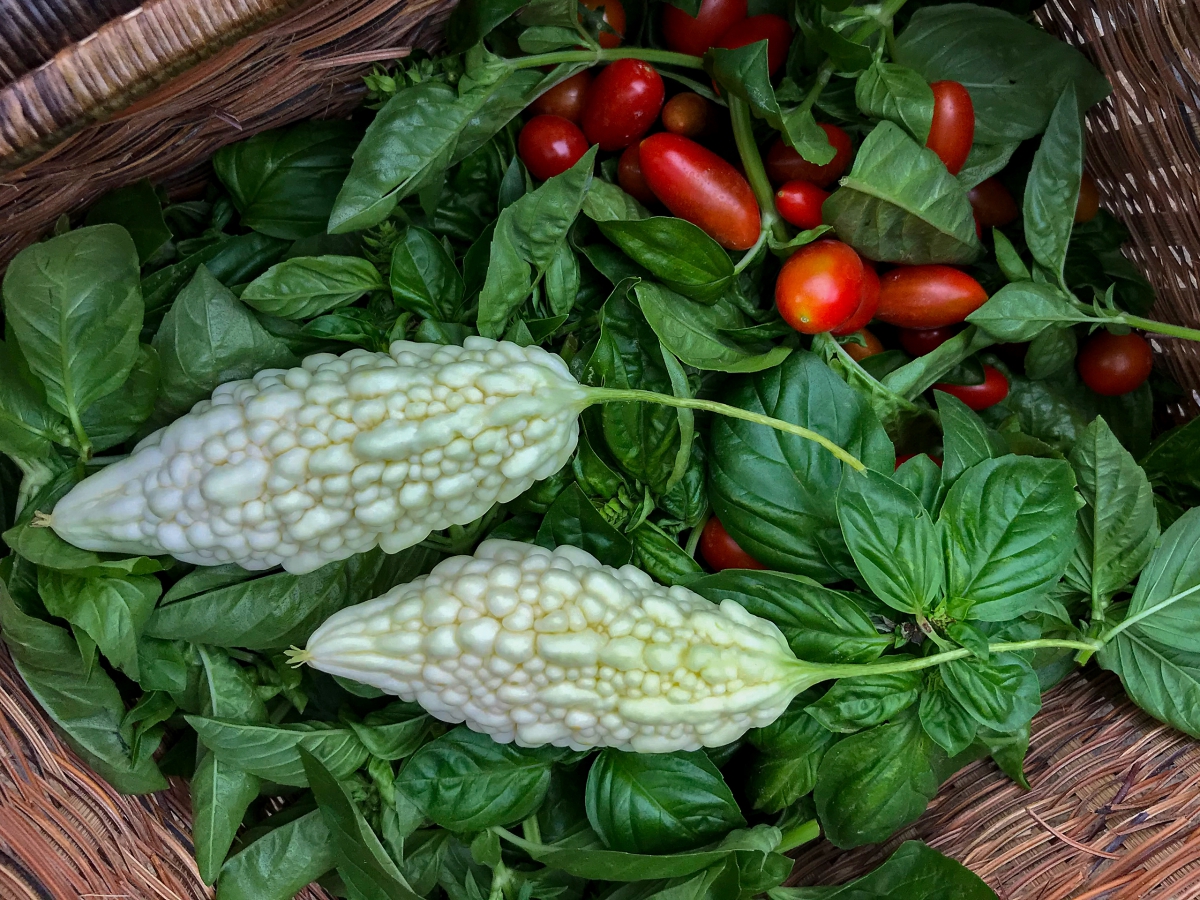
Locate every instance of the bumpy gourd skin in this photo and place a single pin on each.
(313, 464)
(551, 647)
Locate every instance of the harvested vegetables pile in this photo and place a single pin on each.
(487, 367)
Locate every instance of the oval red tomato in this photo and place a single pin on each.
(549, 145)
(767, 27)
(953, 128)
(785, 164)
(993, 205)
(868, 304)
(614, 18)
(631, 179)
(622, 104)
(820, 286)
(1089, 200)
(565, 99)
(1115, 364)
(686, 114)
(979, 396)
(870, 346)
(919, 341)
(799, 202)
(928, 296)
(697, 185)
(694, 35)
(721, 551)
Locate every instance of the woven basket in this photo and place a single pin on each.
(95, 94)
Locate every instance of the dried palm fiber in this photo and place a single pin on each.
(1105, 776)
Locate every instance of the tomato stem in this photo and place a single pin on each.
(1176, 331)
(750, 255)
(756, 173)
(646, 54)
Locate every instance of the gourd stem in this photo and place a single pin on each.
(614, 395)
(647, 54)
(1145, 614)
(1176, 331)
(800, 834)
(756, 173)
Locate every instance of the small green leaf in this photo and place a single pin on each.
(307, 286)
(893, 92)
(278, 865)
(790, 751)
(1052, 189)
(137, 209)
(853, 704)
(1022, 310)
(423, 277)
(573, 520)
(676, 252)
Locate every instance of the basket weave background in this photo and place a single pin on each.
(95, 94)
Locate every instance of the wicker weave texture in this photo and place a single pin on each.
(32, 33)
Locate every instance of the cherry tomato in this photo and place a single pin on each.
(919, 341)
(697, 185)
(631, 179)
(901, 460)
(953, 128)
(1114, 364)
(799, 202)
(785, 164)
(767, 27)
(979, 396)
(721, 551)
(614, 18)
(565, 99)
(686, 114)
(928, 296)
(549, 145)
(858, 352)
(1089, 199)
(868, 304)
(994, 206)
(820, 286)
(685, 34)
(622, 104)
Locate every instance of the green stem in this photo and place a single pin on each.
(1146, 613)
(648, 54)
(693, 540)
(500, 880)
(914, 378)
(756, 173)
(614, 395)
(83, 443)
(801, 834)
(824, 73)
(751, 254)
(1177, 331)
(531, 830)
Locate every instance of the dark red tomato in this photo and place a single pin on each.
(901, 460)
(1089, 199)
(919, 341)
(785, 164)
(994, 206)
(622, 104)
(820, 286)
(721, 551)
(928, 296)
(953, 128)
(767, 27)
(1114, 364)
(685, 34)
(686, 114)
(979, 396)
(868, 304)
(631, 179)
(614, 18)
(549, 145)
(859, 352)
(799, 202)
(565, 99)
(697, 185)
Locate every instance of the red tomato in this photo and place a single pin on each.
(565, 99)
(721, 551)
(622, 104)
(1089, 199)
(953, 128)
(614, 18)
(785, 164)
(928, 296)
(868, 304)
(549, 145)
(799, 202)
(994, 206)
(919, 341)
(1114, 364)
(767, 27)
(686, 114)
(820, 286)
(685, 34)
(858, 352)
(979, 396)
(901, 460)
(701, 187)
(631, 179)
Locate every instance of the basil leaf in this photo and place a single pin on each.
(676, 252)
(1014, 70)
(230, 260)
(775, 493)
(893, 540)
(278, 865)
(913, 872)
(1002, 693)
(394, 732)
(853, 704)
(1173, 570)
(984, 161)
(893, 92)
(28, 425)
(74, 305)
(1009, 532)
(117, 416)
(922, 476)
(272, 752)
(528, 236)
(307, 286)
(944, 719)
(283, 182)
(137, 209)
(472, 20)
(1052, 189)
(1168, 461)
(574, 521)
(1021, 311)
(1058, 411)
(658, 802)
(820, 624)
(661, 557)
(422, 276)
(1008, 750)
(465, 781)
(899, 204)
(1050, 352)
(790, 750)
